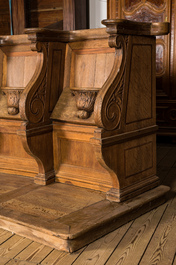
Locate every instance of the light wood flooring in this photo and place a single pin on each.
(149, 239)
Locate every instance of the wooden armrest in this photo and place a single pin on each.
(114, 26)
(122, 26)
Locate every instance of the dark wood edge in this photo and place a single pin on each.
(110, 209)
(114, 26)
(44, 34)
(117, 138)
(8, 40)
(114, 223)
(123, 26)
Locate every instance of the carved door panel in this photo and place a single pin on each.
(156, 11)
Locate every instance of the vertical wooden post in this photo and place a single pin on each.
(111, 9)
(18, 16)
(68, 14)
(75, 14)
(81, 14)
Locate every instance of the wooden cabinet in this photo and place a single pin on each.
(156, 11)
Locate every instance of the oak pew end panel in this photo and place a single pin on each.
(28, 71)
(17, 63)
(110, 145)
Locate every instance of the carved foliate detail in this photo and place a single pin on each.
(37, 104)
(114, 106)
(108, 106)
(85, 102)
(13, 97)
(132, 4)
(32, 104)
(146, 15)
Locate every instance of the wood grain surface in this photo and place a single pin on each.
(149, 238)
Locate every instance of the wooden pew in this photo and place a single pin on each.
(105, 121)
(26, 102)
(78, 109)
(17, 64)
(116, 78)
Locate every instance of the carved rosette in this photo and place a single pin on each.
(108, 105)
(85, 99)
(33, 100)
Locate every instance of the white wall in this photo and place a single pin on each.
(97, 12)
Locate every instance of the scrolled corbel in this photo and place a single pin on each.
(36, 130)
(108, 105)
(33, 100)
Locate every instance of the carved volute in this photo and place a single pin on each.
(32, 102)
(109, 100)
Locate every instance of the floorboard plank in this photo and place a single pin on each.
(4, 261)
(16, 249)
(132, 246)
(162, 152)
(162, 173)
(170, 179)
(162, 247)
(43, 251)
(5, 235)
(174, 260)
(13, 246)
(57, 257)
(53, 257)
(99, 251)
(169, 159)
(20, 262)
(29, 252)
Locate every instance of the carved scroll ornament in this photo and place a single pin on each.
(108, 105)
(32, 101)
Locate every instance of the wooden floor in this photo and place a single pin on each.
(149, 239)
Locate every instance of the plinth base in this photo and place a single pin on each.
(66, 217)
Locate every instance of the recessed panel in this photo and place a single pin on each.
(138, 159)
(139, 102)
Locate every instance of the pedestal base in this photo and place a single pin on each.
(67, 217)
